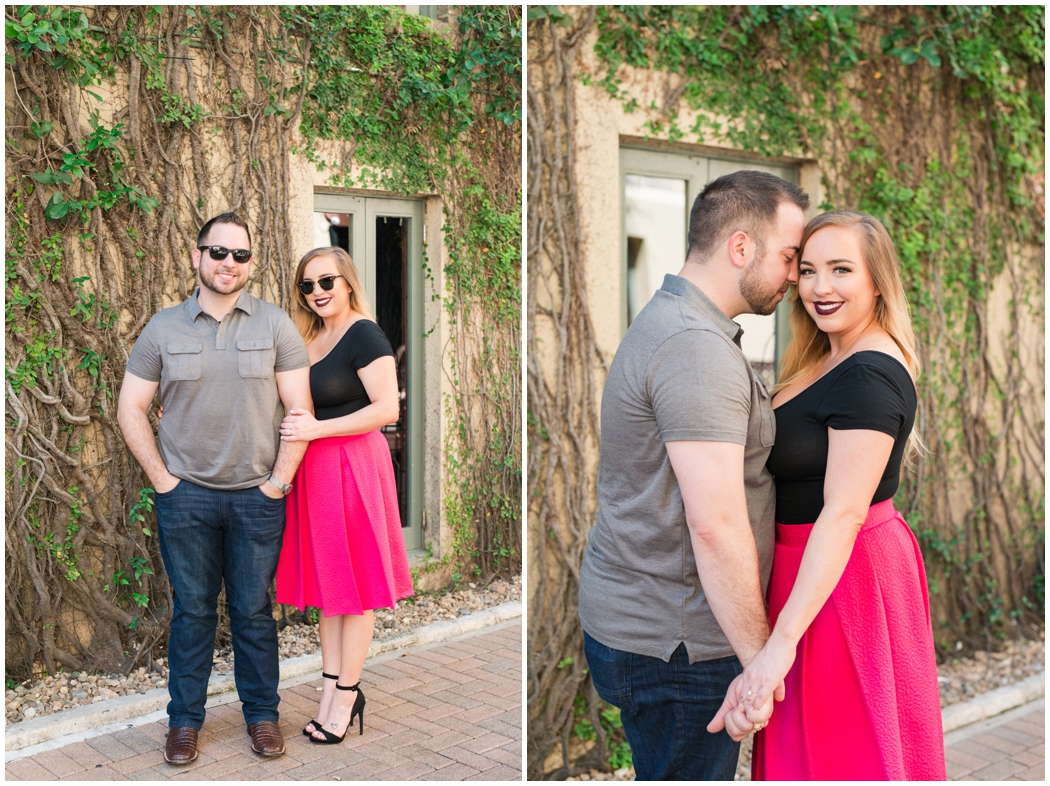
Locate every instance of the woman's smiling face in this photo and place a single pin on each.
(333, 301)
(834, 282)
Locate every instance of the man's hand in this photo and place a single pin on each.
(167, 484)
(736, 716)
(136, 397)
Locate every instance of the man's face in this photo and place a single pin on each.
(225, 276)
(775, 265)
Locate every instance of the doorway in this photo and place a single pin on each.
(384, 237)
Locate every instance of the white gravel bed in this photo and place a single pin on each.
(960, 679)
(34, 698)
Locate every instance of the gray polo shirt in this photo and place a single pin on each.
(679, 374)
(222, 411)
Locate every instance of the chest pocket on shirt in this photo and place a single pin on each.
(183, 361)
(255, 357)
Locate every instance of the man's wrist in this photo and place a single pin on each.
(754, 647)
(278, 484)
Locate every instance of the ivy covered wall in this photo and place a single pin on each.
(127, 127)
(931, 119)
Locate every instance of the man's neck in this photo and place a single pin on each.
(722, 291)
(214, 304)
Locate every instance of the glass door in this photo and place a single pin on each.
(385, 239)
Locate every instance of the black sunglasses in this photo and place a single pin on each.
(219, 253)
(326, 282)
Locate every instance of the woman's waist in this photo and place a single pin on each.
(338, 410)
(798, 534)
(322, 443)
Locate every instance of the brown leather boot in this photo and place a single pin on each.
(266, 738)
(181, 747)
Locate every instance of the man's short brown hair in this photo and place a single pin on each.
(740, 201)
(224, 218)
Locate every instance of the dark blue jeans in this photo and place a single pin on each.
(665, 709)
(208, 538)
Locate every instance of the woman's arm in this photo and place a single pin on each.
(856, 462)
(380, 381)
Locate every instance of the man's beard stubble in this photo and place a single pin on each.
(760, 300)
(208, 282)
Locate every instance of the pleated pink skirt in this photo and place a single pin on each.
(343, 550)
(862, 701)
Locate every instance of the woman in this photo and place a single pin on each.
(851, 637)
(343, 551)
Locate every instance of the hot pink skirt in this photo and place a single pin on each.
(862, 701)
(343, 550)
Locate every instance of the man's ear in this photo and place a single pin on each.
(195, 255)
(739, 247)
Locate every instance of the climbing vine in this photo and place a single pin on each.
(931, 119)
(127, 127)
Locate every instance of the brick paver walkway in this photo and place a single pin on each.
(1011, 750)
(447, 712)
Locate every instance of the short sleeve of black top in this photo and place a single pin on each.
(336, 388)
(868, 390)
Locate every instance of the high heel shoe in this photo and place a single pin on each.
(357, 709)
(317, 723)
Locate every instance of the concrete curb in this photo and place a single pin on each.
(104, 713)
(993, 702)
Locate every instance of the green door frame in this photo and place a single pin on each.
(364, 211)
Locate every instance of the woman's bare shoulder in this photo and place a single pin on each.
(881, 341)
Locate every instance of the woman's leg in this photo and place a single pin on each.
(331, 631)
(357, 630)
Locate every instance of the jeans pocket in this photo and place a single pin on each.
(610, 673)
(267, 497)
(168, 494)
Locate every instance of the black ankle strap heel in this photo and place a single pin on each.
(357, 710)
(316, 723)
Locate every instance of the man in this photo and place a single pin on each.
(674, 574)
(225, 362)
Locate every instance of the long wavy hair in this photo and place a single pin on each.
(305, 318)
(809, 344)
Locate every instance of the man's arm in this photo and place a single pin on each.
(136, 397)
(294, 390)
(711, 478)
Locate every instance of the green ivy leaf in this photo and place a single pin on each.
(929, 51)
(40, 129)
(52, 178)
(58, 207)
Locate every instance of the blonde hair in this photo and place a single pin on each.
(305, 318)
(809, 344)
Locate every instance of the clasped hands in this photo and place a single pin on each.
(748, 704)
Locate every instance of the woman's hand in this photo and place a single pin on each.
(763, 679)
(736, 717)
(299, 425)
